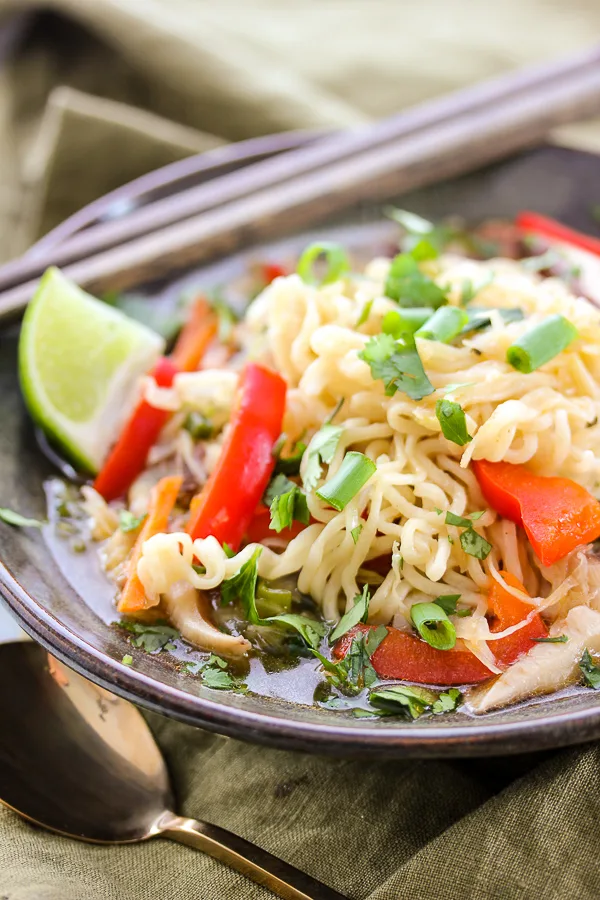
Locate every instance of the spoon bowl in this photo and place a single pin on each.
(82, 762)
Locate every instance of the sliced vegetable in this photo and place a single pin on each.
(452, 419)
(200, 428)
(320, 450)
(129, 522)
(364, 313)
(272, 601)
(195, 336)
(404, 657)
(399, 323)
(227, 503)
(14, 518)
(506, 610)
(336, 259)
(357, 613)
(480, 317)
(541, 344)
(543, 226)
(433, 625)
(350, 478)
(398, 365)
(356, 533)
(444, 325)
(557, 514)
(127, 459)
(408, 286)
(162, 500)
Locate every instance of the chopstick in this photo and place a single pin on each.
(436, 140)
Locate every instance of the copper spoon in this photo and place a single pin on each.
(80, 761)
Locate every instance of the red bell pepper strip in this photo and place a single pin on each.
(557, 514)
(404, 657)
(195, 336)
(127, 459)
(162, 500)
(505, 610)
(551, 230)
(271, 271)
(258, 528)
(227, 503)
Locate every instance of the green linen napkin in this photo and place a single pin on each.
(96, 92)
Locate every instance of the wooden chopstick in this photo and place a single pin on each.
(424, 145)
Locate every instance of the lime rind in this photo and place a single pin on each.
(80, 363)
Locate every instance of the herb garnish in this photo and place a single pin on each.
(242, 586)
(408, 285)
(359, 612)
(433, 625)
(288, 465)
(470, 540)
(398, 365)
(14, 518)
(452, 419)
(591, 672)
(559, 639)
(401, 699)
(320, 450)
(151, 637)
(336, 259)
(448, 603)
(448, 701)
(364, 313)
(286, 502)
(214, 675)
(199, 426)
(356, 533)
(129, 522)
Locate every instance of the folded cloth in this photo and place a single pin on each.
(96, 92)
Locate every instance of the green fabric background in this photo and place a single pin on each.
(96, 92)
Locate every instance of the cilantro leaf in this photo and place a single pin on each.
(129, 522)
(591, 672)
(408, 286)
(242, 585)
(448, 701)
(16, 519)
(448, 603)
(452, 419)
(151, 637)
(358, 613)
(401, 699)
(353, 673)
(290, 465)
(374, 638)
(217, 679)
(356, 533)
(398, 365)
(461, 521)
(474, 544)
(278, 485)
(285, 508)
(320, 450)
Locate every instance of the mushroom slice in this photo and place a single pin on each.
(189, 612)
(546, 668)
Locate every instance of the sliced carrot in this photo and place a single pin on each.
(162, 500)
(507, 610)
(195, 336)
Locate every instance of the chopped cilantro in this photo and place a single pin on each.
(217, 679)
(199, 426)
(356, 533)
(401, 699)
(151, 637)
(289, 465)
(127, 660)
(474, 544)
(359, 612)
(461, 521)
(452, 419)
(374, 638)
(129, 522)
(591, 672)
(448, 701)
(320, 450)
(288, 507)
(398, 365)
(448, 603)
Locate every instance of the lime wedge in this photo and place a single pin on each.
(80, 362)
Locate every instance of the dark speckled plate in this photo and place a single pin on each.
(556, 181)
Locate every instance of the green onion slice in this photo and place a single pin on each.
(433, 625)
(541, 344)
(272, 601)
(444, 325)
(352, 475)
(335, 257)
(406, 322)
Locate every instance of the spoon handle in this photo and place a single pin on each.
(256, 864)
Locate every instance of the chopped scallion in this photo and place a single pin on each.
(200, 428)
(336, 259)
(541, 344)
(433, 625)
(350, 478)
(271, 601)
(444, 325)
(408, 321)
